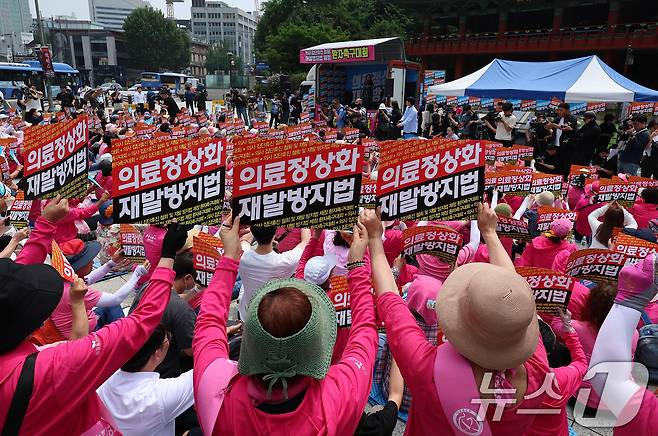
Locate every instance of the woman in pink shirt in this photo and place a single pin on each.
(487, 313)
(565, 382)
(276, 393)
(635, 407)
(66, 229)
(596, 308)
(66, 376)
(543, 249)
(645, 208)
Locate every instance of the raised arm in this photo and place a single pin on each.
(524, 206)
(80, 321)
(638, 285)
(353, 373)
(108, 300)
(83, 365)
(210, 340)
(307, 254)
(40, 241)
(568, 378)
(487, 220)
(629, 219)
(593, 217)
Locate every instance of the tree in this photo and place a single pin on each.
(154, 42)
(220, 59)
(287, 26)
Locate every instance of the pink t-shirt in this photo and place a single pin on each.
(644, 423)
(643, 213)
(62, 317)
(587, 335)
(415, 356)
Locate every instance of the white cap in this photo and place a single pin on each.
(318, 269)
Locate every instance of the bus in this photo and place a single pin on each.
(15, 74)
(174, 81)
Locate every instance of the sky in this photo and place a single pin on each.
(80, 8)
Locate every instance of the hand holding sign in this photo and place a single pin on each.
(230, 235)
(373, 224)
(359, 243)
(21, 234)
(56, 209)
(174, 240)
(78, 290)
(487, 219)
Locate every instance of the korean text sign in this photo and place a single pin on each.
(339, 294)
(439, 241)
(337, 55)
(56, 160)
(548, 214)
(61, 264)
(297, 184)
(634, 248)
(552, 290)
(132, 243)
(597, 265)
(431, 180)
(513, 228)
(156, 181)
(19, 211)
(206, 251)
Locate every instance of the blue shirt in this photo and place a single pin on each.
(409, 120)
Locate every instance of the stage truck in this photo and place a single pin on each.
(374, 70)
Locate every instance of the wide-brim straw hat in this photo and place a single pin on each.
(488, 314)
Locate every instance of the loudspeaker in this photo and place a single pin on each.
(388, 88)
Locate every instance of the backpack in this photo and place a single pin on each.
(647, 348)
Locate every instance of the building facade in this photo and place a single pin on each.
(98, 53)
(112, 13)
(15, 28)
(198, 55)
(215, 22)
(463, 36)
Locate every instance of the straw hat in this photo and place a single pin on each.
(488, 314)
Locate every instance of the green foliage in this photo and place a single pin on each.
(155, 43)
(287, 26)
(219, 59)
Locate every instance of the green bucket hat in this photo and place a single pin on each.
(307, 352)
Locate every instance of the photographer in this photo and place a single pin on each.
(469, 122)
(505, 122)
(564, 135)
(539, 134)
(490, 119)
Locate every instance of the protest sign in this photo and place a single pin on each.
(61, 264)
(552, 289)
(442, 242)
(546, 182)
(206, 252)
(19, 211)
(643, 182)
(56, 160)
(617, 190)
(368, 197)
(515, 183)
(297, 184)
(490, 150)
(548, 214)
(156, 181)
(597, 265)
(431, 180)
(507, 154)
(339, 294)
(634, 248)
(132, 243)
(512, 228)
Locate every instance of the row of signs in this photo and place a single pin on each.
(520, 105)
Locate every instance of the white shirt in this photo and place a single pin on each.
(258, 269)
(139, 97)
(558, 134)
(142, 404)
(32, 104)
(501, 132)
(594, 224)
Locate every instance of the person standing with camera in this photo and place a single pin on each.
(565, 133)
(505, 122)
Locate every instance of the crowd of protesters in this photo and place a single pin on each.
(73, 361)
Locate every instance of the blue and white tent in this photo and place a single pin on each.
(574, 80)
